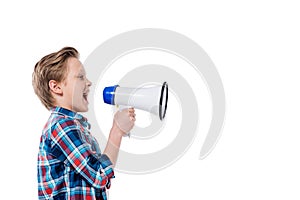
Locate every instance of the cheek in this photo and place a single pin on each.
(70, 91)
(78, 91)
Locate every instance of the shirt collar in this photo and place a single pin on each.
(72, 114)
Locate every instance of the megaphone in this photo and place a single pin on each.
(152, 99)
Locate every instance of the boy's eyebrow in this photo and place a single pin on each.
(82, 71)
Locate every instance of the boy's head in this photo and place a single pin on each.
(59, 79)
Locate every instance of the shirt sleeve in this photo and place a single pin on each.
(69, 148)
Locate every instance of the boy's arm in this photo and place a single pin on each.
(113, 144)
(123, 123)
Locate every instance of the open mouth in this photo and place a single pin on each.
(85, 96)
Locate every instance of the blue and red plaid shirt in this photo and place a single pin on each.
(70, 164)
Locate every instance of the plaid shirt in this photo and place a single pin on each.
(70, 164)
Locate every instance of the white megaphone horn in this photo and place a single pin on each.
(152, 99)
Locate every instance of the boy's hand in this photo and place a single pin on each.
(124, 120)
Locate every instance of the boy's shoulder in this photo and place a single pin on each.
(58, 121)
(62, 115)
(62, 120)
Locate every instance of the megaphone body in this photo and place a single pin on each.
(152, 99)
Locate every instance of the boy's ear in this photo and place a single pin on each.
(55, 87)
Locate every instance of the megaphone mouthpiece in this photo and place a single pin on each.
(109, 94)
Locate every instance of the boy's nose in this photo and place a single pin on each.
(88, 82)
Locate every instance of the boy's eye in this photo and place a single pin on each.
(80, 77)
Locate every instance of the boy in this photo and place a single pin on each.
(70, 164)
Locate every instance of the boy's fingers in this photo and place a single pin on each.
(131, 114)
(131, 110)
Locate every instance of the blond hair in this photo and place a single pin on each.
(51, 67)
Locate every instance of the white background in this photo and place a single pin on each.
(255, 47)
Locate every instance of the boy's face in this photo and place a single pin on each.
(76, 87)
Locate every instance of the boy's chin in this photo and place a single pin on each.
(81, 109)
(85, 109)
